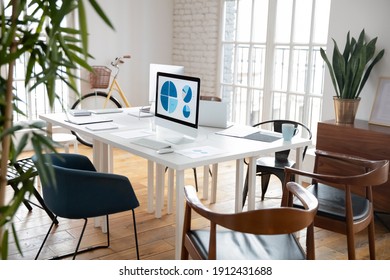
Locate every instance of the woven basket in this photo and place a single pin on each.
(100, 77)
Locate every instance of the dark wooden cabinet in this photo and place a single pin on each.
(360, 139)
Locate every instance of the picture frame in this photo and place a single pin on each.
(380, 113)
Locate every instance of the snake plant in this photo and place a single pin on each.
(350, 70)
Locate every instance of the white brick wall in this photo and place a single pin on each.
(196, 40)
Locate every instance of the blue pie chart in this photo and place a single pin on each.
(187, 93)
(186, 111)
(168, 97)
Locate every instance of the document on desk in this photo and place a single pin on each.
(86, 120)
(198, 152)
(102, 126)
(134, 133)
(251, 133)
(237, 131)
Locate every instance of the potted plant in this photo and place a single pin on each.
(34, 27)
(349, 72)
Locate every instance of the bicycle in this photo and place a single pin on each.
(101, 101)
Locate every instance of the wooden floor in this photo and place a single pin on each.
(156, 236)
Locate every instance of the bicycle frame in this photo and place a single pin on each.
(114, 84)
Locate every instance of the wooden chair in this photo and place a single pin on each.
(257, 234)
(343, 186)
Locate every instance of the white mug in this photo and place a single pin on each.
(288, 131)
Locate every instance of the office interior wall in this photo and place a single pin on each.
(143, 29)
(353, 16)
(196, 40)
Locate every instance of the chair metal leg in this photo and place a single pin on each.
(245, 190)
(77, 251)
(196, 178)
(81, 236)
(135, 234)
(43, 206)
(25, 201)
(264, 184)
(44, 240)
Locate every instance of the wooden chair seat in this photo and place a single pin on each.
(331, 203)
(241, 246)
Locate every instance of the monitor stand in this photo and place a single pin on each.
(173, 137)
(179, 140)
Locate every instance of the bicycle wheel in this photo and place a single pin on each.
(93, 100)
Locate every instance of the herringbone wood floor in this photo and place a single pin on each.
(156, 236)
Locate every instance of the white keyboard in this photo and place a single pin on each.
(151, 143)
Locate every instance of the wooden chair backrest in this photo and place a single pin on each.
(281, 220)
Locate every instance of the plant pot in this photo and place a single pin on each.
(345, 109)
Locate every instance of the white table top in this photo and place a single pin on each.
(231, 148)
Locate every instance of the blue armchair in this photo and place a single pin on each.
(77, 191)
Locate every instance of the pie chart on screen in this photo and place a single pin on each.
(186, 111)
(187, 93)
(168, 97)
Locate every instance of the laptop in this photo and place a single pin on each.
(213, 114)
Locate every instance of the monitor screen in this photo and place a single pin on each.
(166, 68)
(177, 101)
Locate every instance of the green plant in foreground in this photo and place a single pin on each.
(33, 29)
(350, 70)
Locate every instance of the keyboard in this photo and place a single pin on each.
(151, 143)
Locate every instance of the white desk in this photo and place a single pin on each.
(233, 149)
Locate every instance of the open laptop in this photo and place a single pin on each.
(213, 114)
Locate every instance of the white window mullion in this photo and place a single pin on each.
(269, 61)
(306, 99)
(291, 60)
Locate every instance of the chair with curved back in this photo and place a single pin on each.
(75, 190)
(274, 165)
(343, 186)
(257, 234)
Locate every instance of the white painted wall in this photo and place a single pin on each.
(354, 15)
(143, 29)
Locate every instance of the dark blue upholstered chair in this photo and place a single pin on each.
(80, 192)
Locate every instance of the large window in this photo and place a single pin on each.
(271, 64)
(33, 102)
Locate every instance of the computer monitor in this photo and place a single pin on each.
(165, 68)
(177, 107)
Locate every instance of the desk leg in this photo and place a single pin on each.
(103, 162)
(150, 186)
(179, 212)
(205, 195)
(251, 183)
(102, 157)
(214, 180)
(239, 184)
(170, 190)
(159, 189)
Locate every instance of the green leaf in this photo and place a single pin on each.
(101, 13)
(331, 72)
(4, 246)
